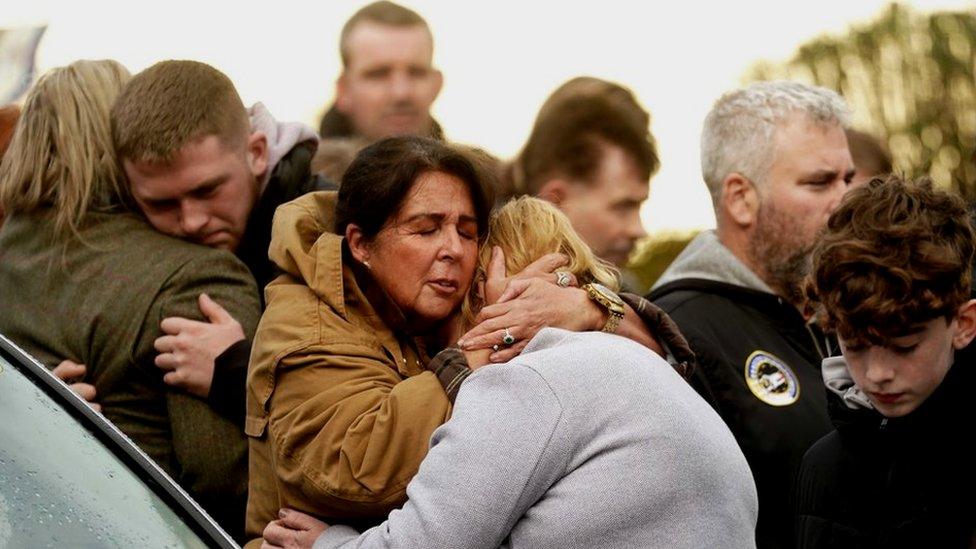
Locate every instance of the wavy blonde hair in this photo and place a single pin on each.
(527, 228)
(61, 155)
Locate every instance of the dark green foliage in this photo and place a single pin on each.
(909, 79)
(655, 253)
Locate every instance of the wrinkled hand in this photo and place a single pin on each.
(68, 372)
(524, 304)
(189, 348)
(292, 530)
(498, 283)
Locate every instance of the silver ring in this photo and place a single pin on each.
(508, 338)
(495, 347)
(562, 279)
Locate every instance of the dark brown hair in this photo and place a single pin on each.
(173, 103)
(382, 13)
(574, 127)
(334, 155)
(869, 154)
(894, 254)
(380, 178)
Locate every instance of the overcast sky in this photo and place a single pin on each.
(500, 59)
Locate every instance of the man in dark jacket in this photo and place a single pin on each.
(203, 168)
(388, 82)
(891, 276)
(775, 159)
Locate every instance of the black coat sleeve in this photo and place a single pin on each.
(230, 377)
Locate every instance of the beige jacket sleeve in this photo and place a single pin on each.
(347, 431)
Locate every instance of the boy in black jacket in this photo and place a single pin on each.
(891, 277)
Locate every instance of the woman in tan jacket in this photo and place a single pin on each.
(344, 388)
(584, 440)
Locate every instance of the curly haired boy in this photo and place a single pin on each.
(891, 277)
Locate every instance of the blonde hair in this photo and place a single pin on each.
(61, 155)
(527, 228)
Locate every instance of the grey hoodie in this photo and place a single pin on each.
(282, 136)
(707, 258)
(585, 440)
(837, 378)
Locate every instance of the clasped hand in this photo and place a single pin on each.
(188, 350)
(524, 303)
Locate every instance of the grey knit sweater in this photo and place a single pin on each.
(585, 440)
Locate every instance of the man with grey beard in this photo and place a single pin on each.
(775, 158)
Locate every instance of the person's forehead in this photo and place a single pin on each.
(372, 43)
(196, 163)
(804, 144)
(926, 332)
(618, 177)
(438, 193)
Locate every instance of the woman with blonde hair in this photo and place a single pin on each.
(551, 232)
(584, 440)
(61, 154)
(84, 283)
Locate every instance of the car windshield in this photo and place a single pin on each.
(61, 487)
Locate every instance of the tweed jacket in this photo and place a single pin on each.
(99, 300)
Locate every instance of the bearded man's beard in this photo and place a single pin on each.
(782, 254)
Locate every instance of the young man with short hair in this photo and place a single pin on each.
(203, 168)
(892, 279)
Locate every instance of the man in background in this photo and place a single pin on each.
(591, 154)
(388, 82)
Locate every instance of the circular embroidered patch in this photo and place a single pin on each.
(771, 380)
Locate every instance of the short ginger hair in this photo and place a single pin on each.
(173, 103)
(894, 253)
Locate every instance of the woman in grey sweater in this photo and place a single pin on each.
(584, 440)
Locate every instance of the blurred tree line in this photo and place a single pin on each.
(909, 80)
(653, 255)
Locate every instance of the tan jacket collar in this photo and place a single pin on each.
(305, 247)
